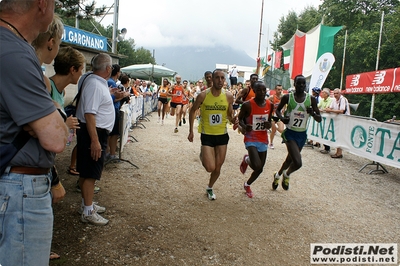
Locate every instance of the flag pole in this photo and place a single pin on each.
(259, 37)
(344, 57)
(266, 52)
(377, 64)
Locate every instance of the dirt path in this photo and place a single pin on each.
(160, 215)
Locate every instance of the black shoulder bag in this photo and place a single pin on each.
(70, 109)
(7, 152)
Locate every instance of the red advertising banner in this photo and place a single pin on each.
(381, 81)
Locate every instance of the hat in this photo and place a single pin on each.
(316, 90)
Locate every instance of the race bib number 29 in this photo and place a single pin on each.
(215, 119)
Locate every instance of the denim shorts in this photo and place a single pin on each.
(261, 147)
(26, 219)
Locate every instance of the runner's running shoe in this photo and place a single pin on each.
(176, 130)
(285, 181)
(243, 165)
(275, 183)
(271, 146)
(249, 193)
(210, 194)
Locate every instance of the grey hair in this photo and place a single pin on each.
(101, 61)
(16, 6)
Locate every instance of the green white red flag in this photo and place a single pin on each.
(306, 48)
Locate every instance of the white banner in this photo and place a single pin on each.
(125, 122)
(321, 71)
(377, 141)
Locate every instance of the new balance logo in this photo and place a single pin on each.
(355, 80)
(379, 77)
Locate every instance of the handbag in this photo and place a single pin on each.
(70, 109)
(7, 152)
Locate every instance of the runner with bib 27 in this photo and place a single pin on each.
(300, 106)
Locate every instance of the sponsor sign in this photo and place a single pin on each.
(377, 141)
(321, 71)
(381, 81)
(84, 38)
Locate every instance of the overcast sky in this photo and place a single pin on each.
(155, 23)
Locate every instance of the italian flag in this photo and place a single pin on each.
(306, 48)
(286, 59)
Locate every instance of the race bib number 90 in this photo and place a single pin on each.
(215, 119)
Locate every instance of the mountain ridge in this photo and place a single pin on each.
(191, 62)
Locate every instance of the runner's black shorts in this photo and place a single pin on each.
(214, 140)
(174, 105)
(163, 100)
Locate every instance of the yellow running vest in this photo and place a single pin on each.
(214, 112)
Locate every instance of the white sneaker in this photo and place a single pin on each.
(114, 158)
(95, 219)
(210, 194)
(162, 122)
(271, 146)
(159, 119)
(96, 208)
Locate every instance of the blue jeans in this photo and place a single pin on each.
(26, 219)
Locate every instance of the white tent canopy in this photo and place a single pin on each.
(148, 71)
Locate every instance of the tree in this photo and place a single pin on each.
(134, 56)
(362, 22)
(77, 8)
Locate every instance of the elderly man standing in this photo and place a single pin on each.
(96, 112)
(25, 105)
(323, 104)
(339, 105)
